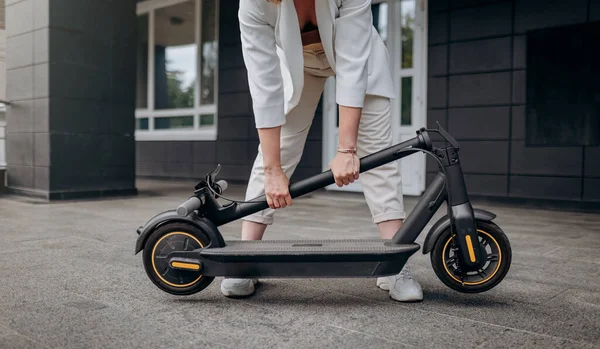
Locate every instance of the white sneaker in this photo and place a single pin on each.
(238, 287)
(405, 288)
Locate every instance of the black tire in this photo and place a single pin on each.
(491, 274)
(175, 236)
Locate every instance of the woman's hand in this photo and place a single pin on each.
(346, 164)
(277, 188)
(345, 168)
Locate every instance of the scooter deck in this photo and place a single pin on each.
(307, 258)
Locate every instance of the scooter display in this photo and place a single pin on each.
(183, 250)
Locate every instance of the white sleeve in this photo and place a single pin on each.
(262, 62)
(353, 48)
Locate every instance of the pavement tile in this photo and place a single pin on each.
(19, 342)
(70, 280)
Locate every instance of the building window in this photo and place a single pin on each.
(563, 93)
(177, 57)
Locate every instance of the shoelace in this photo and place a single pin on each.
(405, 273)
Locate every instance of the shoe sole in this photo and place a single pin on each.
(384, 286)
(414, 300)
(237, 294)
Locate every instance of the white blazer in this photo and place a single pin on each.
(272, 51)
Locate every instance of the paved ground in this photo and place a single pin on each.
(69, 279)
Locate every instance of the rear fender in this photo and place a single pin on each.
(171, 216)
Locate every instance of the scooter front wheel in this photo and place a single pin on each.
(169, 238)
(446, 262)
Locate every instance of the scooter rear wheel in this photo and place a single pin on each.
(447, 265)
(169, 238)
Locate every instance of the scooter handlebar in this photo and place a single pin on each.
(189, 206)
(223, 185)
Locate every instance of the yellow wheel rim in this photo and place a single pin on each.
(154, 254)
(485, 279)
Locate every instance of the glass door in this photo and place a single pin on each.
(401, 24)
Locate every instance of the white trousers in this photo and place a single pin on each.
(382, 186)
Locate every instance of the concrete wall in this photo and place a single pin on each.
(71, 81)
(237, 143)
(477, 85)
(2, 90)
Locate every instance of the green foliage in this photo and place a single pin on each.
(179, 97)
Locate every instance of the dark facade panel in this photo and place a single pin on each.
(484, 157)
(204, 152)
(436, 115)
(234, 129)
(481, 21)
(437, 60)
(488, 123)
(151, 169)
(179, 170)
(555, 161)
(74, 47)
(518, 123)
(562, 86)
(480, 55)
(594, 10)
(238, 173)
(438, 28)
(232, 58)
(479, 89)
(489, 185)
(229, 28)
(530, 15)
(591, 189)
(232, 152)
(520, 52)
(436, 93)
(151, 152)
(519, 93)
(592, 162)
(76, 15)
(545, 187)
(66, 115)
(312, 154)
(433, 117)
(199, 171)
(84, 82)
(234, 104)
(178, 152)
(438, 5)
(233, 81)
(467, 3)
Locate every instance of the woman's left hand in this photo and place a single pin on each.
(345, 168)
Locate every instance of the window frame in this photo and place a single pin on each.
(198, 132)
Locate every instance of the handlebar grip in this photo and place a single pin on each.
(223, 185)
(189, 206)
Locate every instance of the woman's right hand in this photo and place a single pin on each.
(277, 188)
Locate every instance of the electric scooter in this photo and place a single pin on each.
(184, 250)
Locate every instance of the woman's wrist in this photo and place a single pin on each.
(272, 169)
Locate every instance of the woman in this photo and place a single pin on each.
(290, 48)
